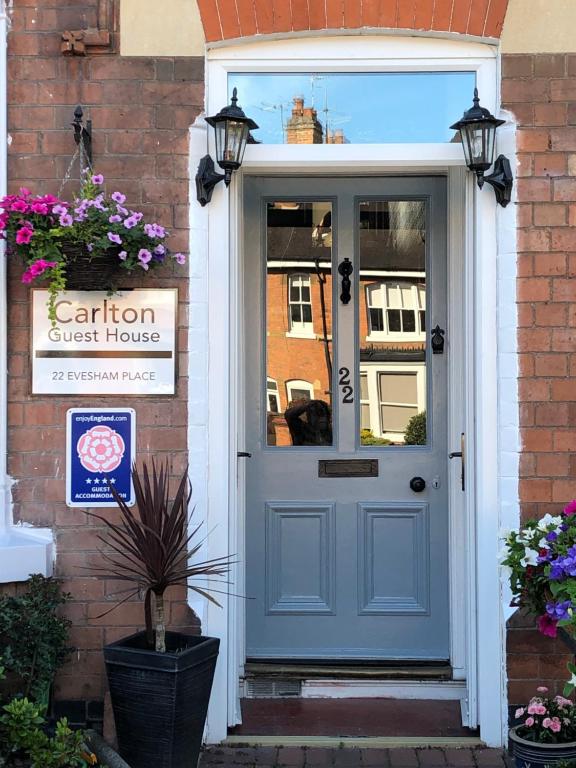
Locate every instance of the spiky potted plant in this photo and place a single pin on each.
(159, 681)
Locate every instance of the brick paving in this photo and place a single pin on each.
(351, 757)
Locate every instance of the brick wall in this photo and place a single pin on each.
(141, 110)
(541, 92)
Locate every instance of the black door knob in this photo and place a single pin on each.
(417, 484)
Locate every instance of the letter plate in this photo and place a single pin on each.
(348, 468)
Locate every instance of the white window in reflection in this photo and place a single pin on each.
(272, 396)
(298, 390)
(391, 395)
(396, 311)
(300, 306)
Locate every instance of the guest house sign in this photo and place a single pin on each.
(122, 344)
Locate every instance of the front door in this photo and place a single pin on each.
(346, 418)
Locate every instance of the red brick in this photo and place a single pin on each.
(533, 240)
(550, 65)
(533, 139)
(563, 239)
(534, 340)
(334, 14)
(533, 289)
(246, 17)
(550, 315)
(533, 390)
(563, 139)
(550, 114)
(550, 215)
(423, 14)
(563, 340)
(565, 189)
(563, 490)
(406, 14)
(495, 18)
(563, 90)
(441, 15)
(516, 89)
(535, 490)
(536, 439)
(550, 415)
(551, 365)
(352, 14)
(121, 68)
(550, 164)
(564, 390)
(317, 12)
(515, 65)
(229, 19)
(264, 16)
(534, 190)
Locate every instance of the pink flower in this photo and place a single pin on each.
(546, 723)
(59, 210)
(542, 689)
(98, 179)
(40, 208)
(36, 269)
(20, 206)
(562, 701)
(144, 256)
(122, 255)
(547, 626)
(66, 220)
(555, 725)
(180, 258)
(529, 721)
(24, 191)
(118, 197)
(114, 238)
(570, 508)
(27, 277)
(519, 712)
(24, 235)
(532, 709)
(541, 709)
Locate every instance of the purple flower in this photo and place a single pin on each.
(121, 210)
(118, 197)
(130, 222)
(59, 210)
(114, 238)
(180, 258)
(552, 536)
(90, 247)
(115, 219)
(66, 220)
(122, 255)
(150, 230)
(556, 571)
(160, 250)
(98, 179)
(559, 611)
(144, 256)
(137, 216)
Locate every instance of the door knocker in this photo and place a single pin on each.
(438, 340)
(345, 268)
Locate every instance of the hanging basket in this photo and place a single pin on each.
(90, 272)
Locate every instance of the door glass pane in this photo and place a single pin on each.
(392, 312)
(299, 322)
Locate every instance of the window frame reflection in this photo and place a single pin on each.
(416, 361)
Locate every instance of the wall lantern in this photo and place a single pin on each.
(231, 128)
(478, 134)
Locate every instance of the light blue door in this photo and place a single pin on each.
(347, 499)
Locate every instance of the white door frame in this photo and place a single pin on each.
(216, 433)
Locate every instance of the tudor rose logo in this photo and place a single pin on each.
(100, 449)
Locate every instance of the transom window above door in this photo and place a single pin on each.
(353, 107)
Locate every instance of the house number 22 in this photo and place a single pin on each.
(344, 382)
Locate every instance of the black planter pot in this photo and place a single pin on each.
(530, 754)
(160, 700)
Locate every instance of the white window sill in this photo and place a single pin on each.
(391, 337)
(300, 335)
(24, 551)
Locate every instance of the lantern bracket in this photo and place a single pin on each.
(206, 179)
(501, 180)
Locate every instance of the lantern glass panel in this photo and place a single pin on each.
(478, 142)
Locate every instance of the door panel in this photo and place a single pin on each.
(345, 567)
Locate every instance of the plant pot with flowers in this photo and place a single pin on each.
(540, 560)
(160, 681)
(546, 732)
(84, 245)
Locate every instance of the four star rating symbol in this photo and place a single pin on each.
(97, 480)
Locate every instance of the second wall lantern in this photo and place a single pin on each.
(232, 129)
(478, 134)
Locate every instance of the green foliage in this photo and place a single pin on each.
(367, 438)
(415, 433)
(33, 638)
(22, 735)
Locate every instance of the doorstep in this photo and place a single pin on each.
(351, 756)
